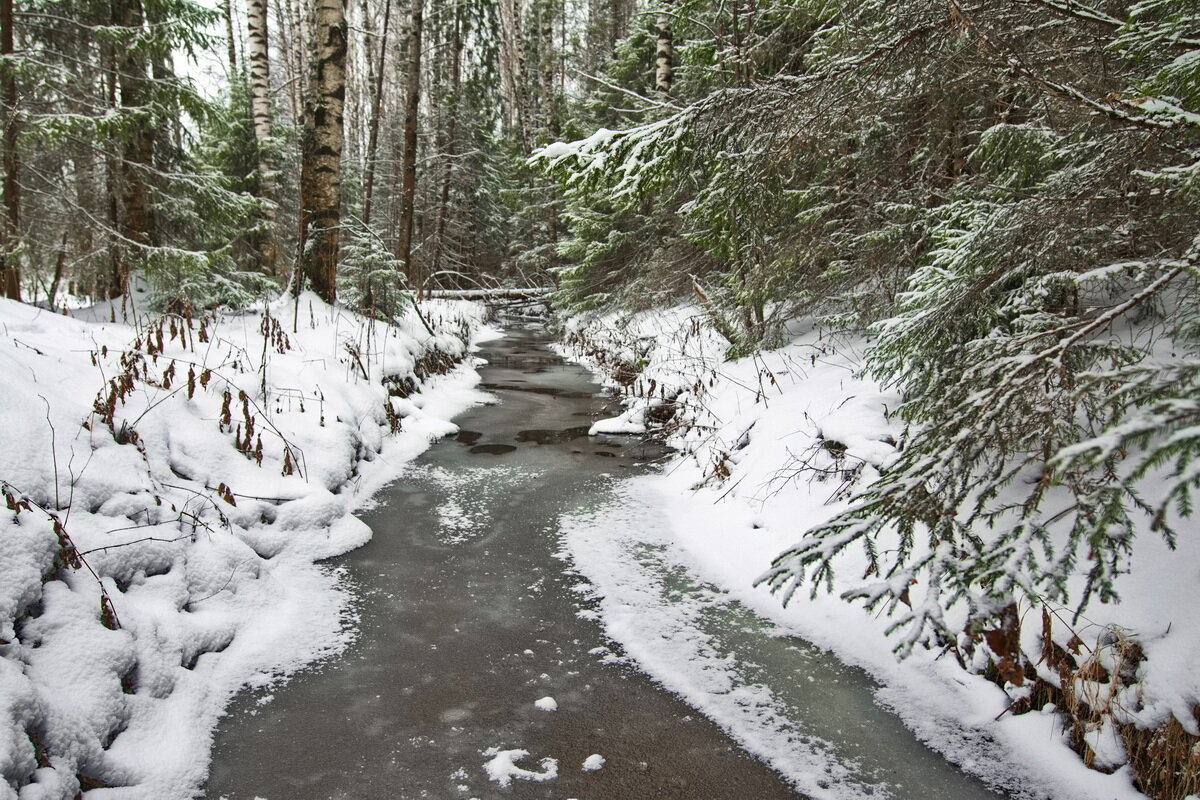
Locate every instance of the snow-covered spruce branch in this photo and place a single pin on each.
(962, 469)
(1159, 418)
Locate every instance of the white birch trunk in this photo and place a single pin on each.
(258, 60)
(663, 72)
(321, 168)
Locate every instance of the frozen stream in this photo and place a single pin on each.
(468, 615)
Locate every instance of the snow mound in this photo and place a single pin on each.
(170, 487)
(772, 445)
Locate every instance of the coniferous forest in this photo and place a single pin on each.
(998, 198)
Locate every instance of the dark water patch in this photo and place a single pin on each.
(552, 391)
(539, 436)
(468, 437)
(492, 449)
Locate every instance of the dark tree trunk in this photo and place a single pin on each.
(10, 275)
(450, 146)
(230, 40)
(408, 187)
(548, 59)
(136, 223)
(376, 114)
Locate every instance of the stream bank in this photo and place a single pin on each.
(466, 616)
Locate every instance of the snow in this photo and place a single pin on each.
(198, 569)
(546, 704)
(593, 762)
(774, 445)
(502, 767)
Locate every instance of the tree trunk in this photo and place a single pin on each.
(408, 187)
(292, 45)
(136, 222)
(663, 74)
(230, 39)
(512, 69)
(320, 172)
(450, 147)
(257, 55)
(549, 117)
(376, 114)
(10, 275)
(548, 58)
(60, 264)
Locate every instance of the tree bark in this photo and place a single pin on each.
(10, 275)
(450, 146)
(258, 57)
(512, 69)
(376, 114)
(408, 187)
(663, 74)
(136, 221)
(548, 59)
(320, 172)
(230, 39)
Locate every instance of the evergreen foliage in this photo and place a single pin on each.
(1004, 198)
(102, 111)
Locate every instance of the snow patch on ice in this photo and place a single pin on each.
(502, 767)
(593, 762)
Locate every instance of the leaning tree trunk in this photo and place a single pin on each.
(265, 240)
(10, 276)
(320, 171)
(408, 187)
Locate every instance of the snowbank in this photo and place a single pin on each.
(774, 444)
(171, 489)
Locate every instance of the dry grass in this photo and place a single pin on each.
(1091, 681)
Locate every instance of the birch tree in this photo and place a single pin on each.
(663, 74)
(321, 167)
(258, 59)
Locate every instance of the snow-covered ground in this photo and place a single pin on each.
(171, 489)
(772, 445)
